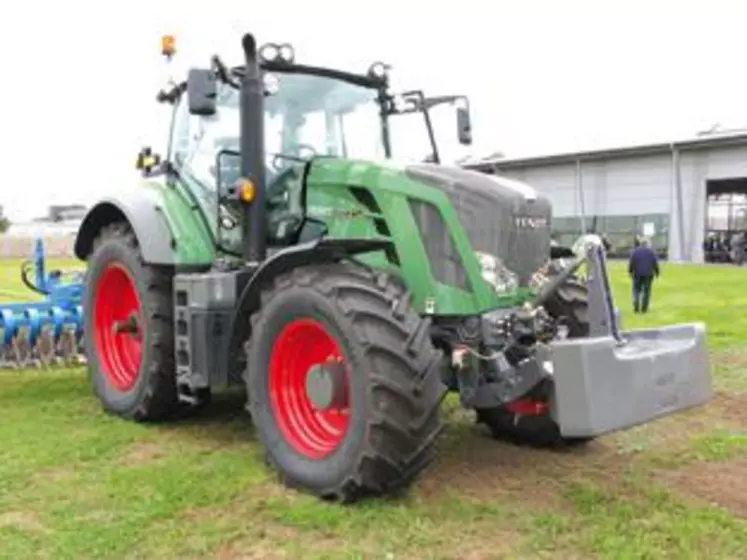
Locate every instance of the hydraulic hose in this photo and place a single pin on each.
(26, 266)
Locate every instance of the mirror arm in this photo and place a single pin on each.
(222, 72)
(220, 69)
(171, 96)
(440, 99)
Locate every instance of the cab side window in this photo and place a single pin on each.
(284, 204)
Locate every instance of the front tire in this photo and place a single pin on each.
(379, 431)
(528, 421)
(129, 329)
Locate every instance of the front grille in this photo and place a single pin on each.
(494, 217)
(493, 229)
(444, 258)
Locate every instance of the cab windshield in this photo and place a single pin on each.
(306, 115)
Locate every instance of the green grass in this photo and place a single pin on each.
(651, 524)
(77, 483)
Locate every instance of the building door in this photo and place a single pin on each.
(726, 218)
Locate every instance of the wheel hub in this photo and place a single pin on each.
(129, 326)
(325, 386)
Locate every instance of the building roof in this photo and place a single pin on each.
(710, 140)
(42, 228)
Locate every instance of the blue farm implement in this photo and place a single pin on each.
(48, 331)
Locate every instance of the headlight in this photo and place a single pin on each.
(585, 242)
(496, 274)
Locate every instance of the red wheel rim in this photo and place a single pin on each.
(116, 302)
(313, 433)
(528, 407)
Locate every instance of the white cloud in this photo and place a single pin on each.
(80, 78)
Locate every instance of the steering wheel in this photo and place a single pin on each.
(278, 159)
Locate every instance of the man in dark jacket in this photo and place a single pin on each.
(643, 267)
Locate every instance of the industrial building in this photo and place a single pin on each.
(676, 193)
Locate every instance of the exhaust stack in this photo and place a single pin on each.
(252, 149)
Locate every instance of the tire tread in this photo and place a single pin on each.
(159, 400)
(392, 335)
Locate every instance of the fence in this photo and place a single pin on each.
(22, 246)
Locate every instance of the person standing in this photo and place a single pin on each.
(739, 248)
(643, 267)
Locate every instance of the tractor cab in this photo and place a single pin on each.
(309, 112)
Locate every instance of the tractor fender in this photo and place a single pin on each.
(167, 229)
(319, 251)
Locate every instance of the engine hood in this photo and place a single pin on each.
(475, 181)
(501, 216)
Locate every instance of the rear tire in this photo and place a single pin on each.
(528, 420)
(384, 433)
(132, 374)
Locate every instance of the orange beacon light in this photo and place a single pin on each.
(168, 45)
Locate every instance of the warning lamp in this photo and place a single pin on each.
(246, 190)
(379, 71)
(278, 53)
(149, 162)
(168, 45)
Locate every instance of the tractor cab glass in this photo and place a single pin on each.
(306, 115)
(311, 115)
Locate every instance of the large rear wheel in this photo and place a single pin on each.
(528, 420)
(343, 382)
(129, 328)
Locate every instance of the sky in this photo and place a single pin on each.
(543, 76)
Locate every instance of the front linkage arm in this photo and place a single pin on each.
(511, 382)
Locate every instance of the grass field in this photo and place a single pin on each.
(77, 483)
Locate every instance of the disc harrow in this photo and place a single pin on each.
(48, 332)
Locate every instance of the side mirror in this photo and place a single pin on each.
(202, 91)
(464, 126)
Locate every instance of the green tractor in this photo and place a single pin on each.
(278, 247)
